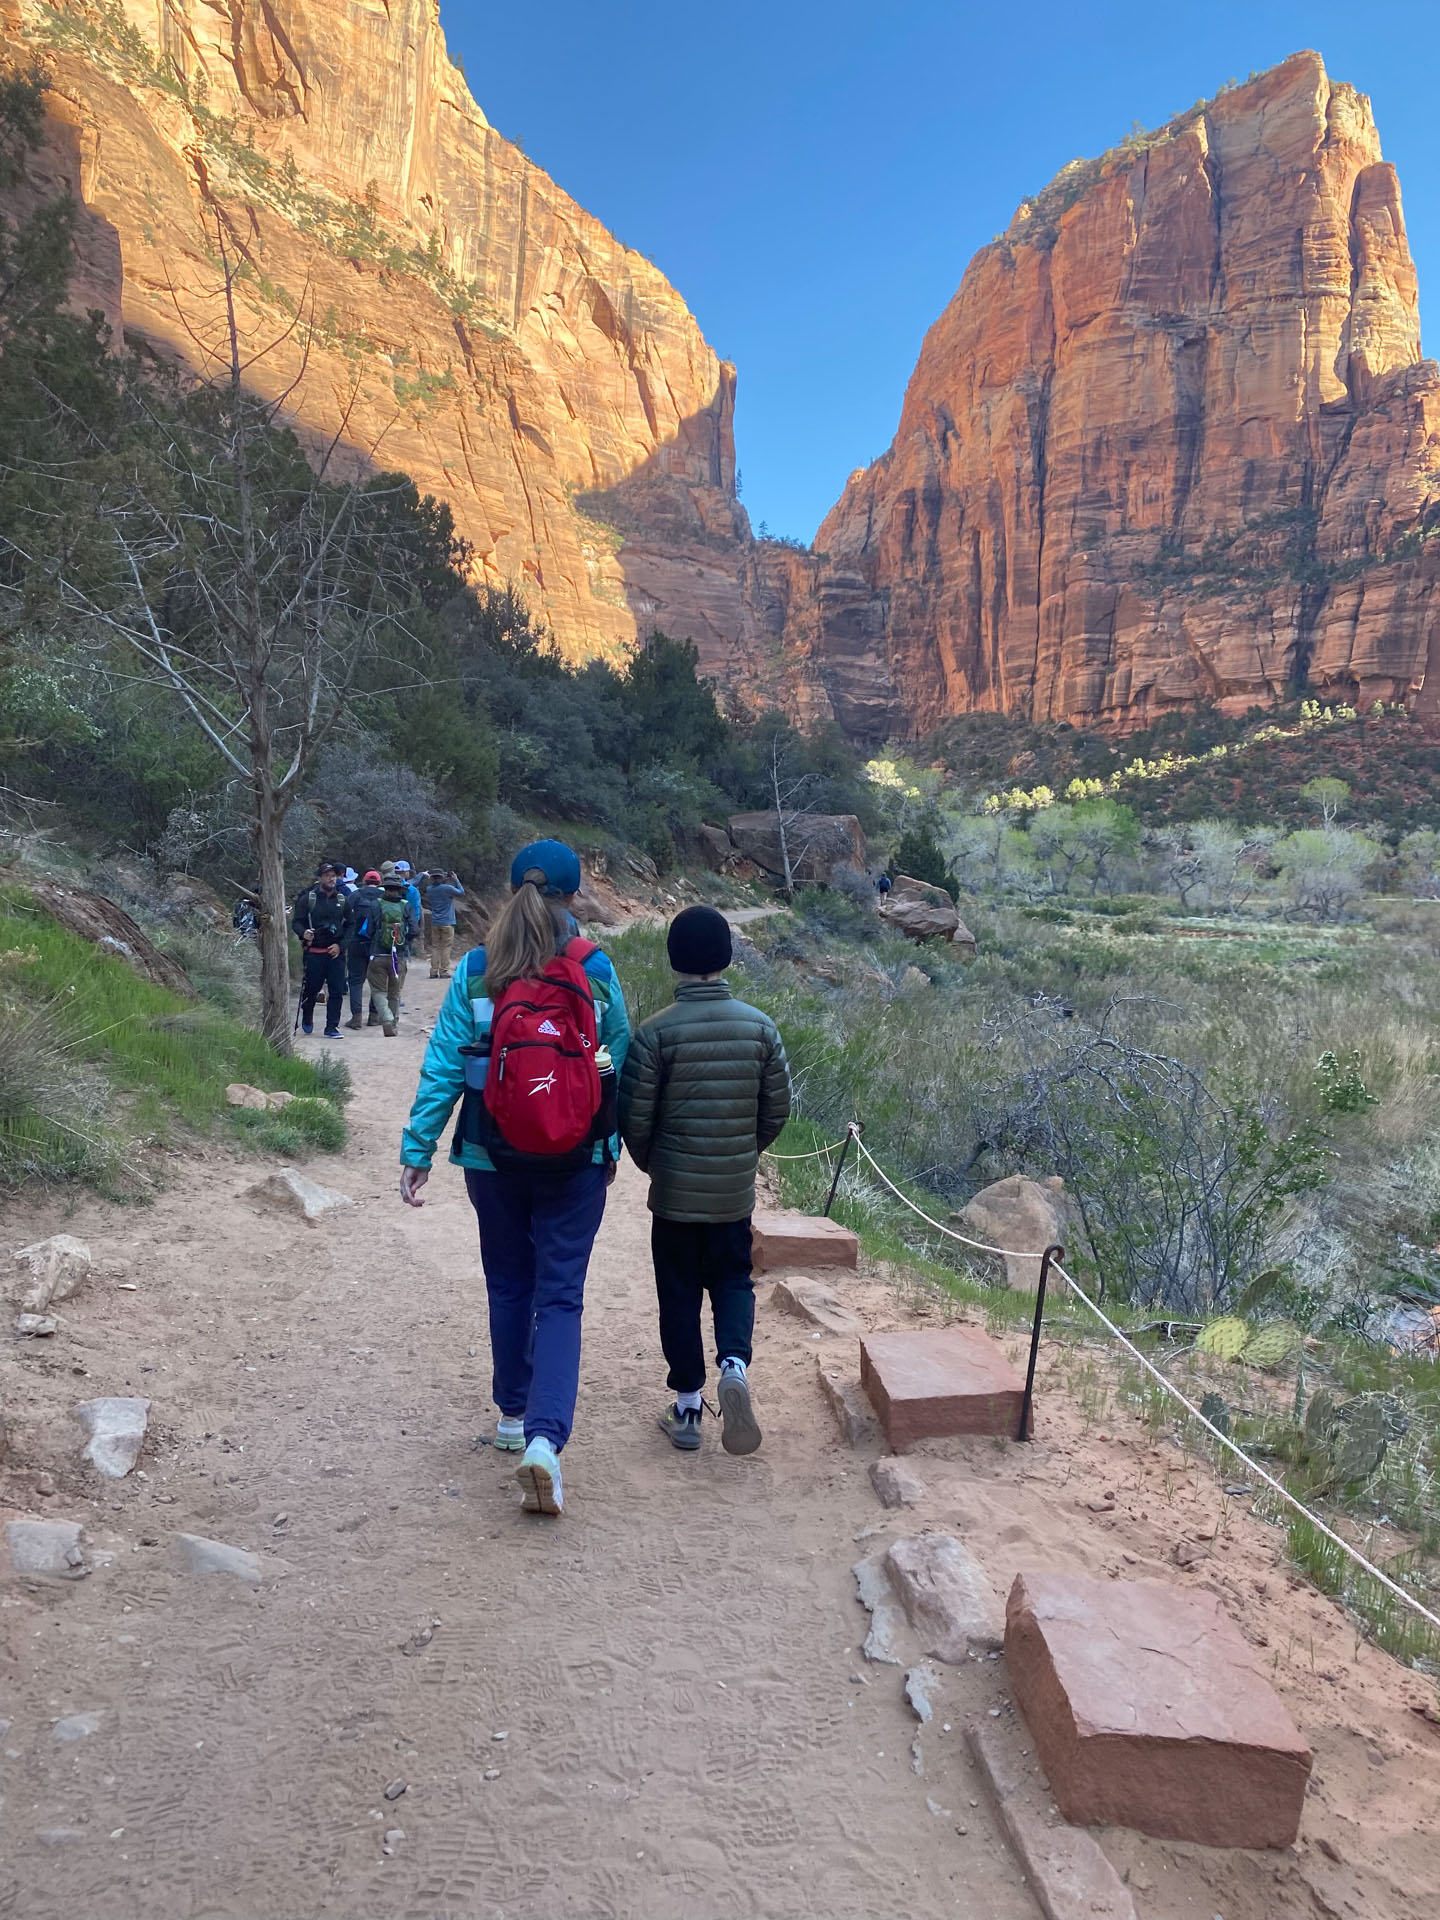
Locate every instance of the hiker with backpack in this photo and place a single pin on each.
(445, 889)
(322, 922)
(393, 928)
(706, 1089)
(530, 1039)
(366, 901)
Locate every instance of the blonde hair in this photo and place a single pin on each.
(523, 937)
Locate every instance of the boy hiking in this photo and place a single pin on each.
(705, 1090)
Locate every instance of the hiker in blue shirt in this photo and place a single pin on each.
(537, 1222)
(445, 890)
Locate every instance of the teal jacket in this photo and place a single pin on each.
(463, 1019)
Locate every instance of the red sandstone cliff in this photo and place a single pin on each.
(1172, 438)
(473, 325)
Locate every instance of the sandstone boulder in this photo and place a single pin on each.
(276, 1102)
(199, 1555)
(1147, 1711)
(813, 1301)
(716, 847)
(1024, 1216)
(94, 918)
(817, 843)
(947, 1596)
(289, 1191)
(50, 1270)
(239, 1094)
(896, 1483)
(843, 1395)
(921, 918)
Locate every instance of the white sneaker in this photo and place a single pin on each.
(510, 1433)
(539, 1477)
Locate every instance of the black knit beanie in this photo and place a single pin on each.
(699, 941)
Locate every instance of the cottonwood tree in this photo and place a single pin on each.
(255, 587)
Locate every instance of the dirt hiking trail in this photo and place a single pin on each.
(654, 1706)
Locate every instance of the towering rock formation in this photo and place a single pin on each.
(431, 294)
(1172, 439)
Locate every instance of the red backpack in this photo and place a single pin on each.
(542, 1086)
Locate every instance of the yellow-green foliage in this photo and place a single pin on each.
(1227, 1339)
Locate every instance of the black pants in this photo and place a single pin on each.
(693, 1259)
(357, 966)
(323, 975)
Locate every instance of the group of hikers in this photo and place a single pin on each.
(358, 932)
(534, 1044)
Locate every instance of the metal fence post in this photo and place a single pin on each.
(850, 1132)
(1050, 1255)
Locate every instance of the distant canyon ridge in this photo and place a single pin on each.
(1172, 440)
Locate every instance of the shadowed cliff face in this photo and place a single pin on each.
(1172, 439)
(460, 317)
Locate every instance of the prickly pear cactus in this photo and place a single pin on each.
(1361, 1440)
(1320, 1417)
(1272, 1346)
(1227, 1339)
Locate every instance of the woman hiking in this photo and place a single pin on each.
(530, 1039)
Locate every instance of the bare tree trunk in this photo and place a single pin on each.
(275, 1020)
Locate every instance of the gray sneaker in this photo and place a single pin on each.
(740, 1432)
(682, 1427)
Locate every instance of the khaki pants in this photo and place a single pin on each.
(442, 939)
(385, 990)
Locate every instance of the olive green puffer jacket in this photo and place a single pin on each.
(704, 1091)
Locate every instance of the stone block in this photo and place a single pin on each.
(295, 1193)
(947, 1597)
(812, 1300)
(116, 1426)
(940, 1381)
(1147, 1711)
(800, 1240)
(199, 1555)
(239, 1094)
(1068, 1874)
(885, 1637)
(278, 1101)
(847, 1403)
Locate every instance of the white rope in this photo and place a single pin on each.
(1225, 1441)
(804, 1156)
(1169, 1386)
(980, 1246)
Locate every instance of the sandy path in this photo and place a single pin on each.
(671, 1664)
(674, 1664)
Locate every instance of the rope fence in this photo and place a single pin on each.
(1050, 1260)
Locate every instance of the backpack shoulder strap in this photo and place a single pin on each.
(578, 949)
(475, 964)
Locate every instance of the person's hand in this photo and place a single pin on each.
(334, 952)
(307, 936)
(412, 1179)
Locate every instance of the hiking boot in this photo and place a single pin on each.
(539, 1477)
(307, 1026)
(391, 1030)
(355, 1023)
(374, 1019)
(682, 1427)
(510, 1433)
(740, 1432)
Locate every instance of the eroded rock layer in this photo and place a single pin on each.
(440, 301)
(1172, 439)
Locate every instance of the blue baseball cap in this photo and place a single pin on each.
(559, 864)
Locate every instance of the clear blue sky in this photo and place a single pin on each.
(814, 177)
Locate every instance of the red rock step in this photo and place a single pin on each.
(1147, 1711)
(800, 1240)
(939, 1381)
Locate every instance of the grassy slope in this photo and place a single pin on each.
(95, 1062)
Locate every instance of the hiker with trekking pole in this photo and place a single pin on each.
(530, 1039)
(323, 922)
